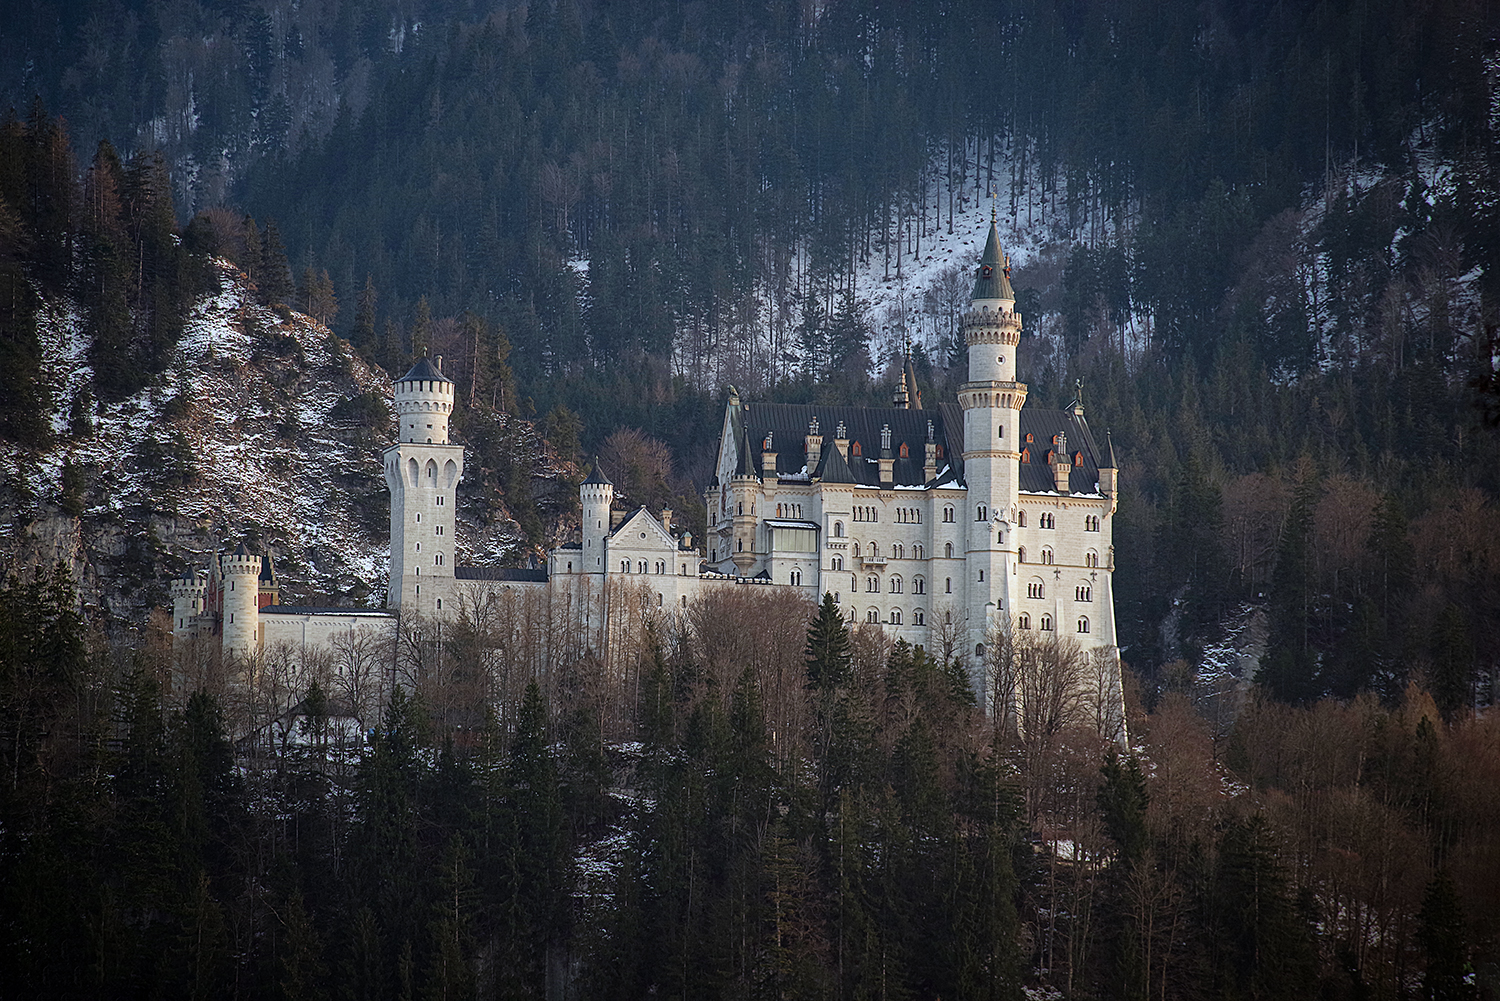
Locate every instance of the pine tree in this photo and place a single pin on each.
(275, 273)
(1442, 932)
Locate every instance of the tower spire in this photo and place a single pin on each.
(992, 279)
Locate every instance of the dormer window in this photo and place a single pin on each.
(905, 453)
(856, 450)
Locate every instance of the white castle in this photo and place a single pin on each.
(945, 527)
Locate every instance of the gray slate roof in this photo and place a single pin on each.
(424, 371)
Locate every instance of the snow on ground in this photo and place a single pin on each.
(250, 395)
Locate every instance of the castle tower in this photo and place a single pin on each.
(189, 599)
(239, 573)
(422, 471)
(991, 401)
(597, 495)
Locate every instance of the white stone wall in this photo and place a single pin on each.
(241, 576)
(319, 630)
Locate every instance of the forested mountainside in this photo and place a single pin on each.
(1260, 239)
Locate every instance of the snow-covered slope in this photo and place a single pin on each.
(265, 428)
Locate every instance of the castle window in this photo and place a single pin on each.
(1083, 624)
(872, 616)
(440, 501)
(796, 577)
(947, 514)
(1047, 555)
(1083, 593)
(438, 530)
(437, 560)
(419, 547)
(1091, 523)
(640, 567)
(917, 618)
(1046, 623)
(838, 563)
(1020, 519)
(1023, 621)
(231, 618)
(1030, 438)
(1021, 555)
(838, 530)
(1000, 431)
(1035, 589)
(684, 601)
(999, 538)
(419, 517)
(940, 451)
(1091, 559)
(872, 583)
(897, 551)
(1047, 521)
(742, 545)
(981, 513)
(1025, 455)
(853, 582)
(684, 570)
(895, 585)
(416, 571)
(570, 566)
(440, 604)
(857, 450)
(419, 590)
(895, 616)
(624, 566)
(947, 585)
(917, 551)
(661, 566)
(981, 576)
(905, 453)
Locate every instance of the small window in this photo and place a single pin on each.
(872, 616)
(919, 585)
(1091, 559)
(419, 547)
(872, 583)
(1083, 593)
(948, 550)
(1035, 589)
(947, 514)
(1023, 621)
(947, 585)
(570, 566)
(918, 618)
(624, 566)
(838, 530)
(1021, 555)
(1020, 519)
(658, 600)
(1083, 624)
(1047, 521)
(895, 616)
(905, 453)
(895, 585)
(1046, 623)
(419, 517)
(1047, 555)
(857, 450)
(440, 604)
(837, 564)
(981, 513)
(440, 501)
(981, 576)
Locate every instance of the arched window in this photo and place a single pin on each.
(838, 563)
(641, 567)
(1047, 555)
(1090, 559)
(948, 514)
(1020, 519)
(947, 585)
(1030, 437)
(917, 552)
(570, 566)
(1035, 589)
(1083, 593)
(1048, 521)
(1091, 523)
(796, 577)
(919, 585)
(1083, 624)
(1023, 621)
(856, 550)
(948, 550)
(979, 649)
(1021, 555)
(981, 576)
(895, 616)
(874, 550)
(905, 453)
(1046, 623)
(438, 560)
(898, 551)
(917, 618)
(896, 585)
(999, 538)
(838, 530)
(624, 566)
(872, 615)
(980, 513)
(857, 449)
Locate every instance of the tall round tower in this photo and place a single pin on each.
(422, 471)
(189, 594)
(240, 573)
(991, 401)
(597, 495)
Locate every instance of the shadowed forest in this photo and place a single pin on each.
(1268, 245)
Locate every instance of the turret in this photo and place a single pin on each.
(422, 471)
(424, 400)
(597, 496)
(189, 597)
(240, 573)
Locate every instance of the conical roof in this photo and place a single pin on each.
(832, 468)
(424, 371)
(992, 278)
(597, 477)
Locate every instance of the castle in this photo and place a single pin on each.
(940, 525)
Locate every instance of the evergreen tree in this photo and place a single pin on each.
(1443, 935)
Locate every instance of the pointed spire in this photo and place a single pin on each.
(597, 477)
(992, 279)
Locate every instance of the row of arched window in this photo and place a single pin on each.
(660, 567)
(909, 515)
(1036, 589)
(1044, 622)
(866, 513)
(893, 584)
(894, 617)
(788, 510)
(1047, 520)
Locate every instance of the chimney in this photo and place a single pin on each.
(929, 460)
(1061, 467)
(814, 445)
(768, 460)
(841, 440)
(887, 461)
(439, 364)
(666, 519)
